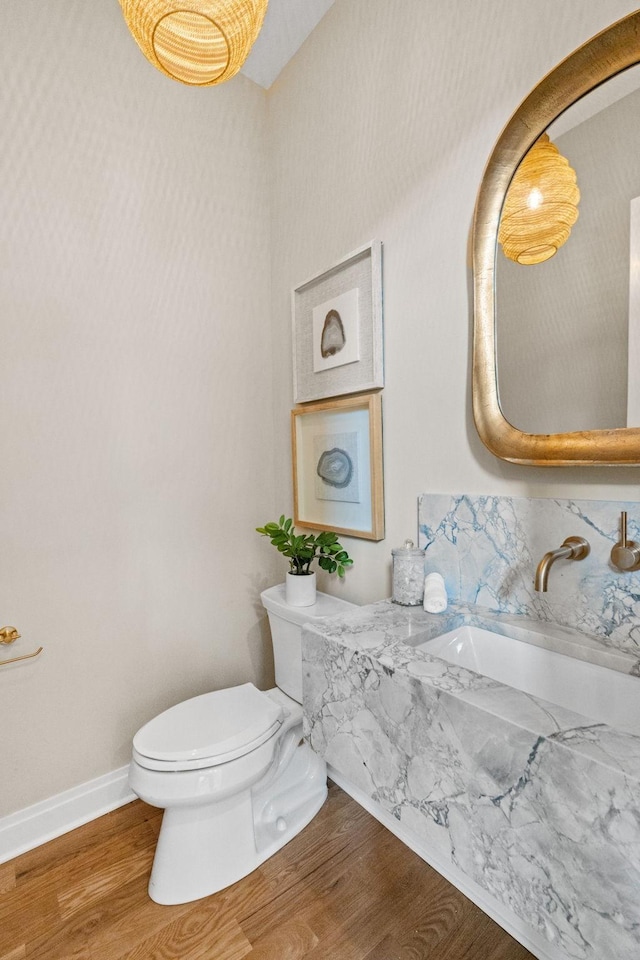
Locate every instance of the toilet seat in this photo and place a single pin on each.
(208, 730)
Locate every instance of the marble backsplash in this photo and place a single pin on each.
(487, 549)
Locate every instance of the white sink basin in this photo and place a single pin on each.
(603, 695)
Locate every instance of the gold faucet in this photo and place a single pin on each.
(573, 548)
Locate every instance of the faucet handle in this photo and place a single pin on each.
(625, 554)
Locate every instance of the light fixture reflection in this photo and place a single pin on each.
(541, 205)
(198, 42)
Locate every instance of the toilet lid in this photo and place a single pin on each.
(219, 724)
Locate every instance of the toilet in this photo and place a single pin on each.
(230, 769)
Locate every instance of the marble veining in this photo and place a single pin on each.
(487, 548)
(536, 804)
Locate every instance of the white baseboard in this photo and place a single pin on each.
(519, 930)
(28, 828)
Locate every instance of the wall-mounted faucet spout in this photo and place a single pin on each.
(573, 548)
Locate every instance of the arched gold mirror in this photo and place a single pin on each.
(528, 388)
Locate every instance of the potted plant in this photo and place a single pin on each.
(301, 550)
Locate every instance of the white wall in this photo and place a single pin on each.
(135, 397)
(141, 380)
(381, 127)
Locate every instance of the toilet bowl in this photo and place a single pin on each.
(230, 769)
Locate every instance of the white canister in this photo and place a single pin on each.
(408, 575)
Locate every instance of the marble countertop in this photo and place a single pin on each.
(387, 633)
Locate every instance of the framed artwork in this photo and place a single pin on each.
(337, 328)
(337, 466)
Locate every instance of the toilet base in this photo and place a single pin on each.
(202, 850)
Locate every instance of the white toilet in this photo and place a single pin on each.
(230, 769)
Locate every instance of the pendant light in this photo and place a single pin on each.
(199, 42)
(541, 205)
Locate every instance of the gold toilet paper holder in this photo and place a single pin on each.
(9, 635)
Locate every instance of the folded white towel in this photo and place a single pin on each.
(435, 594)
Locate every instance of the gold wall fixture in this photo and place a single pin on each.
(541, 205)
(605, 55)
(625, 554)
(25, 656)
(10, 635)
(198, 42)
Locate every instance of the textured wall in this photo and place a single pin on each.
(141, 444)
(134, 402)
(381, 128)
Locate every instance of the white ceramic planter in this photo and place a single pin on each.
(300, 591)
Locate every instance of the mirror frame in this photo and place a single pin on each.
(605, 55)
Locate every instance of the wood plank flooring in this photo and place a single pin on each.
(343, 889)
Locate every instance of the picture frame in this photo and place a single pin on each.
(337, 466)
(338, 328)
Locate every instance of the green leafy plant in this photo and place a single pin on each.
(302, 549)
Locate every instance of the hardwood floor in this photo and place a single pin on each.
(343, 889)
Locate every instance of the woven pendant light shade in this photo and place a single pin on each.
(541, 205)
(199, 42)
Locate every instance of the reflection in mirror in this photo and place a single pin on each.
(541, 205)
(568, 329)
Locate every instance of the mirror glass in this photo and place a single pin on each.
(568, 329)
(552, 402)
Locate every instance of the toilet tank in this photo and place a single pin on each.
(286, 624)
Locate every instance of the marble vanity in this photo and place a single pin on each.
(531, 809)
